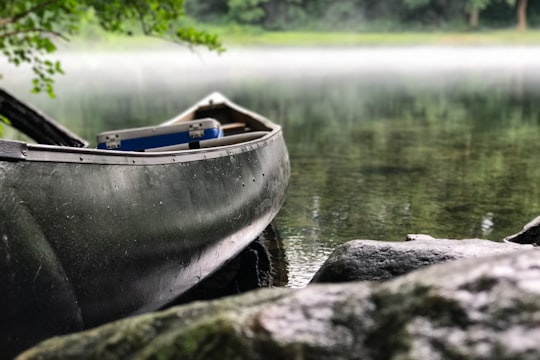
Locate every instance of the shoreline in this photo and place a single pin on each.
(245, 38)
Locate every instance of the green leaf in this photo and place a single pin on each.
(5, 120)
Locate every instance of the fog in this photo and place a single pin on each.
(181, 64)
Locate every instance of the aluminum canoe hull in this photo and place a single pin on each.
(89, 236)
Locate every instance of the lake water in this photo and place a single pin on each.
(383, 141)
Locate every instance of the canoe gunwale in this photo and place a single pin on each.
(17, 151)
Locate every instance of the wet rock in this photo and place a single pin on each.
(530, 234)
(482, 308)
(382, 260)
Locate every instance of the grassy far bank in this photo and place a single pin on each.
(241, 36)
(508, 37)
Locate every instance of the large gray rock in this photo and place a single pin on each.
(530, 234)
(482, 308)
(382, 260)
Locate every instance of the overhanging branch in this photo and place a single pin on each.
(13, 19)
(25, 31)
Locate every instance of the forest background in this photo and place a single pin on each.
(367, 15)
(351, 22)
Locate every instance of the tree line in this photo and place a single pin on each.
(368, 15)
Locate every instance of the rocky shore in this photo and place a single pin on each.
(420, 299)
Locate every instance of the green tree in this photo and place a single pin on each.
(247, 11)
(284, 14)
(470, 7)
(31, 29)
(207, 10)
(474, 7)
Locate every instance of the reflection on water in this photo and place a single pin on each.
(383, 142)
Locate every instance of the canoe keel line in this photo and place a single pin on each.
(89, 236)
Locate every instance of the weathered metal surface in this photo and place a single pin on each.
(88, 236)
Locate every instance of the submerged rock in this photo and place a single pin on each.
(382, 260)
(530, 234)
(482, 308)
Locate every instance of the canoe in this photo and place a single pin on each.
(93, 235)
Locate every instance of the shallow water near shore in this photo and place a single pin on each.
(383, 141)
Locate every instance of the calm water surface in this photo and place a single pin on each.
(383, 141)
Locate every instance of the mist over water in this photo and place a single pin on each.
(384, 141)
(170, 65)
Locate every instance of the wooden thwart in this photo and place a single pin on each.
(233, 127)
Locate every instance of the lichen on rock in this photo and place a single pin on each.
(480, 308)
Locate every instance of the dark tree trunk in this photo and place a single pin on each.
(522, 15)
(473, 18)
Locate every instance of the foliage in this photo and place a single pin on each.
(207, 10)
(246, 11)
(362, 15)
(31, 29)
(466, 4)
(3, 120)
(285, 14)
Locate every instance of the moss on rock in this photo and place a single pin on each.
(482, 308)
